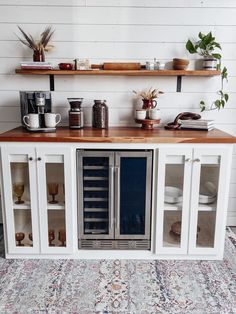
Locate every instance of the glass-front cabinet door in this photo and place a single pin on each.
(133, 185)
(56, 188)
(208, 200)
(173, 196)
(20, 199)
(96, 194)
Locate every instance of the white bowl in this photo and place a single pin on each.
(173, 195)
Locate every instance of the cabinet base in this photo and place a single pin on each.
(114, 244)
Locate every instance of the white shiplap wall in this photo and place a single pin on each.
(105, 30)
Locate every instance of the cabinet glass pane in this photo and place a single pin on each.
(96, 195)
(21, 203)
(133, 172)
(173, 203)
(56, 204)
(207, 205)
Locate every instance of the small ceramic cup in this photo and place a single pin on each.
(154, 114)
(51, 119)
(31, 120)
(140, 114)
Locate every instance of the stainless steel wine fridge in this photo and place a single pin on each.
(114, 196)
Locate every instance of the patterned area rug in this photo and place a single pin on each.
(120, 286)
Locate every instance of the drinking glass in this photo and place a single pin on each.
(53, 191)
(18, 189)
(62, 237)
(19, 236)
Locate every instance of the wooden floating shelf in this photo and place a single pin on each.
(120, 72)
(178, 73)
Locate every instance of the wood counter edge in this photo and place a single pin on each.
(159, 136)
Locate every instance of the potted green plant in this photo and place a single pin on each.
(39, 46)
(207, 47)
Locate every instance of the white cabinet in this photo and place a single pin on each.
(38, 202)
(191, 200)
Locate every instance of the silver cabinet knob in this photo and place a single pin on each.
(187, 159)
(196, 160)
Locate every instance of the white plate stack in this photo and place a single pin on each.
(207, 195)
(199, 124)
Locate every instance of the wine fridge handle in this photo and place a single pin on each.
(117, 197)
(111, 196)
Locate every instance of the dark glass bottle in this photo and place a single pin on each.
(100, 115)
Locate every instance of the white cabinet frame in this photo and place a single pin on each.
(12, 154)
(61, 155)
(222, 157)
(174, 156)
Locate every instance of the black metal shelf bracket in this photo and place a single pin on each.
(51, 82)
(179, 84)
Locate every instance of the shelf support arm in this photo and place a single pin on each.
(51, 82)
(179, 83)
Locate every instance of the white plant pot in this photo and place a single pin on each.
(209, 63)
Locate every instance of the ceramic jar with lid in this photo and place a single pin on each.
(100, 115)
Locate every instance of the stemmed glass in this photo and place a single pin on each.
(51, 237)
(19, 236)
(53, 191)
(18, 189)
(62, 237)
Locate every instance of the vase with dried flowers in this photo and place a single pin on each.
(149, 97)
(39, 46)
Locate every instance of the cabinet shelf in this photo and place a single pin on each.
(95, 189)
(95, 210)
(25, 205)
(56, 206)
(95, 219)
(178, 73)
(201, 207)
(96, 178)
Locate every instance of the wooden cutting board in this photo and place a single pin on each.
(121, 66)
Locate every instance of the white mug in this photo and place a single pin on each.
(154, 114)
(140, 114)
(51, 119)
(33, 120)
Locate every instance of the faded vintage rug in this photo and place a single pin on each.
(120, 286)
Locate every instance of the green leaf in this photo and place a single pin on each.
(222, 103)
(216, 55)
(217, 104)
(201, 35)
(190, 47)
(202, 105)
(226, 97)
(207, 39)
(217, 45)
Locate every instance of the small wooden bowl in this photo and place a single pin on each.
(180, 64)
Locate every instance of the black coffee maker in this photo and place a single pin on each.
(35, 102)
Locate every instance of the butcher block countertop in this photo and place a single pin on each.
(118, 135)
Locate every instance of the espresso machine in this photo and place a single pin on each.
(35, 102)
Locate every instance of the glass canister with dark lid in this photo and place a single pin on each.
(100, 115)
(76, 115)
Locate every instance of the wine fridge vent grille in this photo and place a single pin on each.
(114, 244)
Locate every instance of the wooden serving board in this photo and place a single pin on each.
(121, 66)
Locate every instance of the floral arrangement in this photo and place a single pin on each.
(148, 94)
(37, 45)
